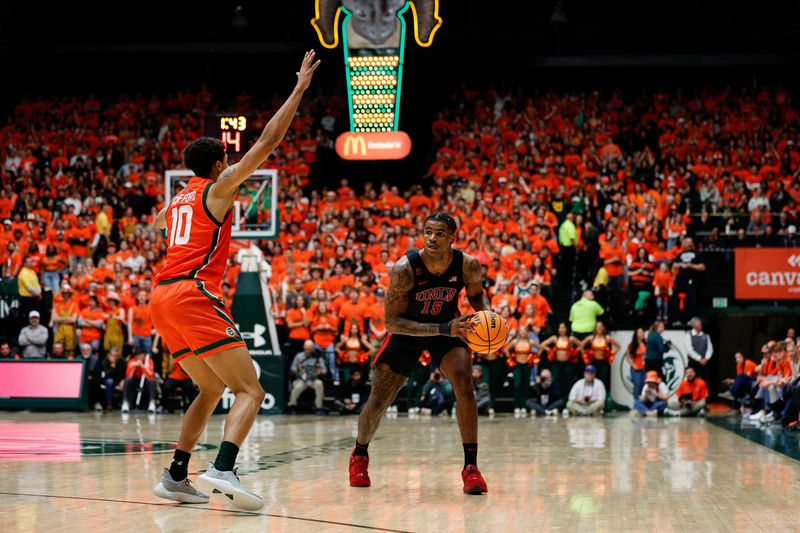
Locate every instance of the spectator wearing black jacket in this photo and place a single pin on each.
(113, 374)
(545, 396)
(352, 395)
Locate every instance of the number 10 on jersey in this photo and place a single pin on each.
(181, 225)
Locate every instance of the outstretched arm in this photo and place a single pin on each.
(472, 283)
(401, 281)
(228, 182)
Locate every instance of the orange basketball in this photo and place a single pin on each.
(490, 332)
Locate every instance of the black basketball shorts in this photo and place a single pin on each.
(401, 352)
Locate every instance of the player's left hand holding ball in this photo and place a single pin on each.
(461, 325)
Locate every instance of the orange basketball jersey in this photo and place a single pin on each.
(197, 244)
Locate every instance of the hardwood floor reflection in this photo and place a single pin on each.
(82, 472)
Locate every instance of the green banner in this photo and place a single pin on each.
(271, 372)
(250, 314)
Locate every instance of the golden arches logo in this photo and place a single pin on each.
(355, 145)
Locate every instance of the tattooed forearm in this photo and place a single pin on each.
(401, 280)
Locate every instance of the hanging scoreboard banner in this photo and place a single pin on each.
(373, 41)
(235, 130)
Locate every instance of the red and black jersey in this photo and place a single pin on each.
(434, 299)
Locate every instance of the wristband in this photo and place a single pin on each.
(444, 329)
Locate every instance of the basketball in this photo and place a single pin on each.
(490, 332)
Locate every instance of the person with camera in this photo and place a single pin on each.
(437, 395)
(588, 395)
(545, 396)
(691, 396)
(653, 399)
(352, 395)
(308, 368)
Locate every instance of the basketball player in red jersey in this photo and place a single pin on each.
(422, 314)
(192, 318)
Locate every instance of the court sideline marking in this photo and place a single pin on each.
(232, 511)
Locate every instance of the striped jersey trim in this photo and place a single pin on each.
(205, 207)
(217, 344)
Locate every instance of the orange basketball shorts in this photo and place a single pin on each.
(192, 319)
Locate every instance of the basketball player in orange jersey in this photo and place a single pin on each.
(192, 318)
(422, 314)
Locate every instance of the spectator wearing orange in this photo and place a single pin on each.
(741, 386)
(640, 280)
(523, 355)
(614, 262)
(298, 320)
(774, 373)
(635, 356)
(140, 324)
(354, 309)
(691, 396)
(599, 350)
(53, 265)
(115, 318)
(64, 320)
(324, 327)
(354, 350)
(91, 321)
(663, 284)
(139, 366)
(377, 320)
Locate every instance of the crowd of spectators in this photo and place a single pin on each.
(578, 205)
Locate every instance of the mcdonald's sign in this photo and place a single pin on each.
(370, 146)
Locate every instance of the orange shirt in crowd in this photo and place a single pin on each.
(142, 323)
(136, 367)
(324, 337)
(294, 315)
(91, 333)
(614, 258)
(748, 368)
(357, 311)
(664, 283)
(696, 388)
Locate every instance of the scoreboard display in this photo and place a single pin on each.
(235, 130)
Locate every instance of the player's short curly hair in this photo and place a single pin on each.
(201, 154)
(445, 218)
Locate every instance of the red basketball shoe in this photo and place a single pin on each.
(359, 477)
(473, 480)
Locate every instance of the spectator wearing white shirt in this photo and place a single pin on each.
(698, 347)
(588, 395)
(33, 337)
(653, 400)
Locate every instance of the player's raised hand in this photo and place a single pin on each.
(462, 325)
(307, 68)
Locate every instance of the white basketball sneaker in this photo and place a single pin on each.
(227, 483)
(178, 491)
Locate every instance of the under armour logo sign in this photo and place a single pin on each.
(452, 279)
(257, 335)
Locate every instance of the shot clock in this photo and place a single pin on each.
(235, 130)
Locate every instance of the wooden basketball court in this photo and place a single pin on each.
(93, 472)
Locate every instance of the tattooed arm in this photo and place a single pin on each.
(401, 281)
(472, 283)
